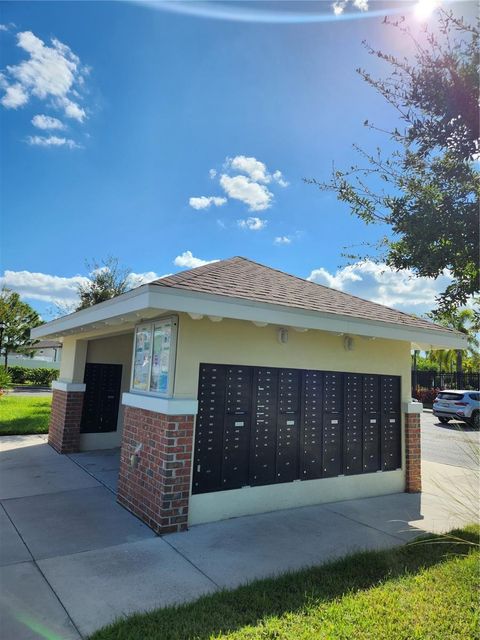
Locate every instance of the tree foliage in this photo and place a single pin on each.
(427, 189)
(107, 280)
(17, 318)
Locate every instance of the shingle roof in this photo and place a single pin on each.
(241, 278)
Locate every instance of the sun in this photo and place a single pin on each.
(424, 9)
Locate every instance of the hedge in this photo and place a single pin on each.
(40, 376)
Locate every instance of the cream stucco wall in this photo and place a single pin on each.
(115, 350)
(237, 342)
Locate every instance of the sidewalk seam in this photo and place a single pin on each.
(35, 564)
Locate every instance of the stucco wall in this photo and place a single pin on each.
(236, 342)
(114, 350)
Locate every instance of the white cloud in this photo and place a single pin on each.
(362, 5)
(251, 166)
(3, 27)
(187, 259)
(278, 177)
(51, 73)
(212, 173)
(382, 284)
(340, 5)
(282, 240)
(204, 202)
(47, 122)
(52, 141)
(59, 290)
(254, 224)
(42, 286)
(255, 195)
(14, 96)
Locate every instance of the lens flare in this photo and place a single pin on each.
(249, 12)
(424, 9)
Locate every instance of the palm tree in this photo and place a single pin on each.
(465, 321)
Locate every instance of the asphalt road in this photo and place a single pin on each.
(453, 443)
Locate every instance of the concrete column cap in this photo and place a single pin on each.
(60, 385)
(412, 407)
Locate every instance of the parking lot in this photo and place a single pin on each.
(453, 443)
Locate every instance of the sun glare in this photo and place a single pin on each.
(424, 8)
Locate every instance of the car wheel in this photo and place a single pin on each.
(444, 420)
(475, 421)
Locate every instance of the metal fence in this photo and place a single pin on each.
(441, 380)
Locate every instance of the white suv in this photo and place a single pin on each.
(459, 405)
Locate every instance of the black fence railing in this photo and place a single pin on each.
(441, 380)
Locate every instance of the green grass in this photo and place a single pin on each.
(418, 591)
(20, 415)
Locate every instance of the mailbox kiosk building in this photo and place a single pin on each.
(235, 389)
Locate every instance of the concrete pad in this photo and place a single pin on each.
(240, 550)
(67, 522)
(9, 443)
(12, 548)
(102, 465)
(28, 606)
(98, 587)
(58, 474)
(27, 455)
(399, 515)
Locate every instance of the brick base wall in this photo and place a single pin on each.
(157, 487)
(413, 453)
(65, 419)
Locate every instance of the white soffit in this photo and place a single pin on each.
(153, 299)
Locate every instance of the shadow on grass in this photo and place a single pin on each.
(228, 611)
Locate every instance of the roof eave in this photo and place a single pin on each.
(162, 298)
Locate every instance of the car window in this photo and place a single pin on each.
(474, 396)
(444, 395)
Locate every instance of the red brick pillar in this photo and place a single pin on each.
(66, 417)
(413, 456)
(155, 467)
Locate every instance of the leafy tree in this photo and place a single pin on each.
(107, 280)
(427, 190)
(17, 319)
(465, 321)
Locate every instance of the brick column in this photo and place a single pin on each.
(413, 457)
(155, 467)
(66, 417)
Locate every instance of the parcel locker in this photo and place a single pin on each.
(236, 434)
(390, 423)
(102, 397)
(353, 425)
(209, 429)
(288, 425)
(371, 423)
(312, 431)
(264, 426)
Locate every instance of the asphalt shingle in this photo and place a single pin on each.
(242, 278)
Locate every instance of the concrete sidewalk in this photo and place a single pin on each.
(73, 560)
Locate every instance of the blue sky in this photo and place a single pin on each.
(154, 107)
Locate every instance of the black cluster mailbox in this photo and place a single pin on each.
(267, 425)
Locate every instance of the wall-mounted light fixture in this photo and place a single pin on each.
(348, 343)
(282, 335)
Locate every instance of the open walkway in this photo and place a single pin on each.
(73, 560)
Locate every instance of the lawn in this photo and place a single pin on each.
(20, 415)
(425, 590)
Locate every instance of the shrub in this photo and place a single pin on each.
(427, 396)
(41, 376)
(5, 379)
